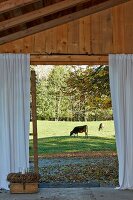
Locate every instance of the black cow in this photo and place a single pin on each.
(80, 129)
(101, 126)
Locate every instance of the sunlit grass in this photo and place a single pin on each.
(63, 128)
(53, 137)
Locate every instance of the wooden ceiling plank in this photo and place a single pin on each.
(48, 10)
(61, 20)
(13, 4)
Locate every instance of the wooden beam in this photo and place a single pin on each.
(13, 4)
(34, 120)
(61, 20)
(48, 10)
(106, 4)
(68, 59)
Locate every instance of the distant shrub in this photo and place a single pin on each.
(100, 115)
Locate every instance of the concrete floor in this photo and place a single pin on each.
(72, 194)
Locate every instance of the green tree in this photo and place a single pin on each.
(74, 93)
(56, 88)
(90, 87)
(52, 104)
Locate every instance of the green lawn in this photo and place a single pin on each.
(53, 137)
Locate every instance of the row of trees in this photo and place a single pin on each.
(74, 93)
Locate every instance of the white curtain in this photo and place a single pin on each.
(14, 114)
(121, 83)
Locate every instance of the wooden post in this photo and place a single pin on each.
(34, 119)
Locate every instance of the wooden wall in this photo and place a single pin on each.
(110, 31)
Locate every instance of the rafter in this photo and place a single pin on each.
(13, 4)
(95, 7)
(39, 13)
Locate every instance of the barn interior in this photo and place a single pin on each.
(65, 32)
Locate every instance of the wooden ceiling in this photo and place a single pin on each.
(20, 18)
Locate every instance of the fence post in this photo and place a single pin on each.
(34, 120)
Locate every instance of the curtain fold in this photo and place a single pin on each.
(14, 114)
(121, 84)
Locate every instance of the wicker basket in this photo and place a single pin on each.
(23, 183)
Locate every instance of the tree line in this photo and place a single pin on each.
(74, 93)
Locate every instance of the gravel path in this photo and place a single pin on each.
(103, 170)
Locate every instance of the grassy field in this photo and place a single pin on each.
(53, 137)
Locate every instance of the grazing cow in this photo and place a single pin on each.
(80, 129)
(101, 126)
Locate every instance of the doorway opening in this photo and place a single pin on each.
(69, 97)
